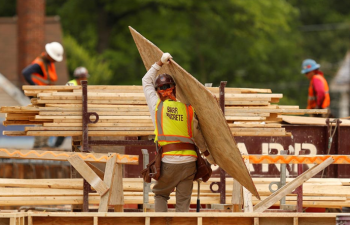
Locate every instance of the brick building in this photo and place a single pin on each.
(22, 39)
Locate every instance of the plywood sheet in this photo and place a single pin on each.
(311, 120)
(211, 119)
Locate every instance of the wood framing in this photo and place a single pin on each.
(288, 188)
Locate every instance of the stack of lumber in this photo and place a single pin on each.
(123, 111)
(322, 193)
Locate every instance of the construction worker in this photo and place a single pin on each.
(42, 71)
(318, 97)
(80, 74)
(176, 130)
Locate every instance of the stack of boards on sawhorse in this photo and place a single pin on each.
(123, 111)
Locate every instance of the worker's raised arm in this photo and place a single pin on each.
(148, 84)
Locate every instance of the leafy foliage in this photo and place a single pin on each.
(99, 71)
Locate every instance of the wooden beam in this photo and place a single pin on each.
(288, 188)
(64, 156)
(109, 174)
(88, 174)
(117, 195)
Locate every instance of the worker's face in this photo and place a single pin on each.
(310, 74)
(49, 58)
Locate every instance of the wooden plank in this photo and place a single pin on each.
(16, 192)
(283, 191)
(98, 172)
(43, 183)
(117, 196)
(310, 120)
(79, 133)
(14, 133)
(88, 174)
(93, 128)
(100, 113)
(247, 196)
(100, 124)
(101, 117)
(108, 175)
(237, 196)
(64, 156)
(223, 147)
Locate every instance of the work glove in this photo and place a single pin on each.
(165, 58)
(211, 159)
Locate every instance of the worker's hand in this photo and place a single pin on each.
(165, 58)
(211, 160)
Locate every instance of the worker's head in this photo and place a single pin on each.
(165, 87)
(309, 68)
(80, 74)
(54, 51)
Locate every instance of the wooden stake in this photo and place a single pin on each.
(108, 176)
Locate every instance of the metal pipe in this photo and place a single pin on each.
(222, 186)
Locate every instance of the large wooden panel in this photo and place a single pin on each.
(211, 119)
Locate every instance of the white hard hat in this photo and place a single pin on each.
(55, 51)
(81, 72)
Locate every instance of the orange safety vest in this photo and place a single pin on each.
(48, 69)
(174, 121)
(312, 98)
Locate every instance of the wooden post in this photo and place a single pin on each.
(247, 196)
(108, 176)
(280, 193)
(95, 220)
(88, 174)
(237, 196)
(117, 196)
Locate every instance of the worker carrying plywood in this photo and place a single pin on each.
(318, 97)
(177, 132)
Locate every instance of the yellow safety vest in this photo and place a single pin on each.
(174, 122)
(74, 82)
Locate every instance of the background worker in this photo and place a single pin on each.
(80, 74)
(42, 71)
(318, 97)
(176, 129)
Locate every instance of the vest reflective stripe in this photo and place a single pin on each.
(49, 72)
(178, 126)
(312, 99)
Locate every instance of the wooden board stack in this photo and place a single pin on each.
(123, 111)
(318, 193)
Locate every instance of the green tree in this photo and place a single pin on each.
(77, 56)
